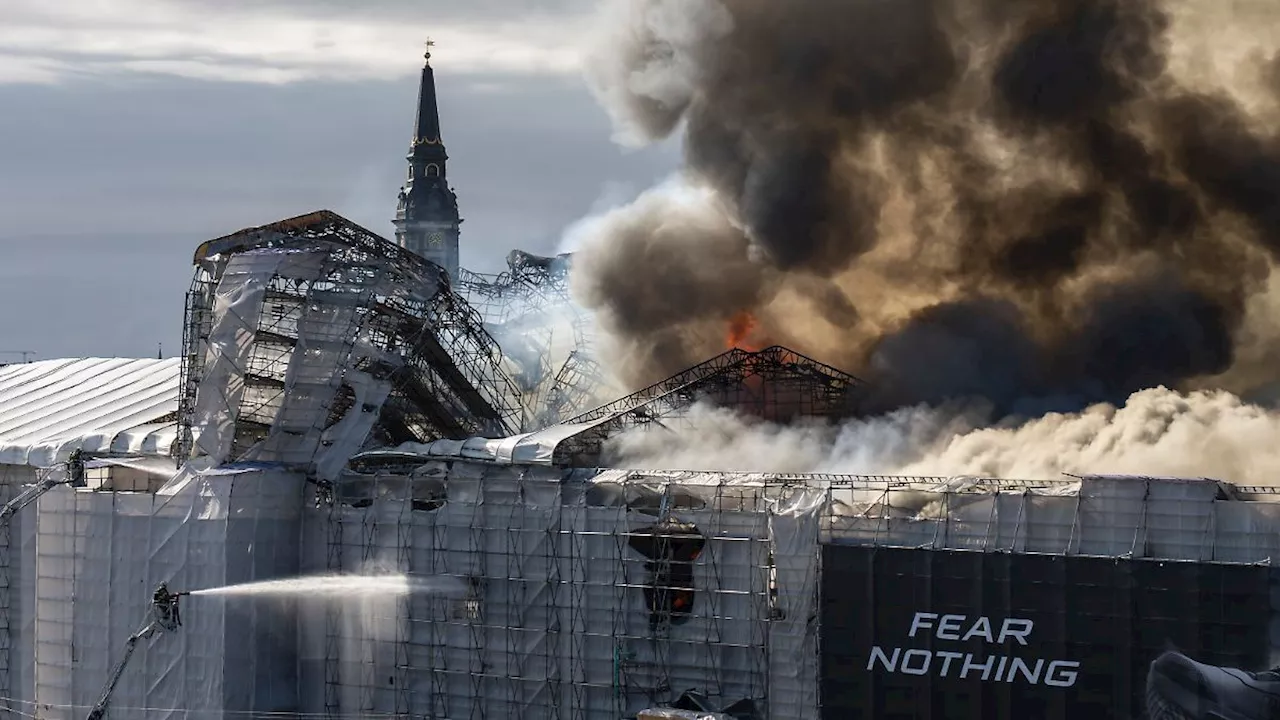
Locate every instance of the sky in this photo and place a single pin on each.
(132, 130)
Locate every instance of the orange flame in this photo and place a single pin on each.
(741, 326)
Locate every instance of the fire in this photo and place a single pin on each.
(741, 326)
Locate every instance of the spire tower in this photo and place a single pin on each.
(427, 220)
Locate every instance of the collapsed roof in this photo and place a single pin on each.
(309, 338)
(775, 384)
(544, 335)
(312, 340)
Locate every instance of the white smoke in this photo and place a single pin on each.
(613, 195)
(1157, 432)
(644, 59)
(721, 439)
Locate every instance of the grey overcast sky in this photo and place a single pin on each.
(131, 130)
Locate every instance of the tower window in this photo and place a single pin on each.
(433, 171)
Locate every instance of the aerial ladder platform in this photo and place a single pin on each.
(162, 617)
(70, 472)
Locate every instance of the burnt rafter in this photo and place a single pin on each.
(774, 384)
(368, 307)
(529, 308)
(775, 364)
(319, 225)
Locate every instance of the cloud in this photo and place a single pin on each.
(279, 42)
(161, 165)
(470, 11)
(25, 69)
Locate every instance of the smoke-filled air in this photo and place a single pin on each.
(1158, 432)
(1040, 205)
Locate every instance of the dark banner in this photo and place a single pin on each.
(928, 635)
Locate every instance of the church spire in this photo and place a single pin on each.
(427, 219)
(427, 127)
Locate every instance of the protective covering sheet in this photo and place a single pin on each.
(1161, 518)
(559, 617)
(535, 448)
(51, 407)
(566, 592)
(324, 328)
(98, 557)
(17, 591)
(916, 634)
(236, 305)
(793, 637)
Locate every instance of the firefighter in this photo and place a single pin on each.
(166, 607)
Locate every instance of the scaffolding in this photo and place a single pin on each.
(307, 338)
(93, 558)
(1186, 519)
(587, 596)
(596, 594)
(544, 335)
(774, 384)
(1111, 571)
(17, 582)
(12, 479)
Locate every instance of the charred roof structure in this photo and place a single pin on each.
(774, 384)
(312, 339)
(316, 335)
(543, 333)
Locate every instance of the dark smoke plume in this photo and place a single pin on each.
(1018, 201)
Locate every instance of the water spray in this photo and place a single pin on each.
(337, 587)
(164, 612)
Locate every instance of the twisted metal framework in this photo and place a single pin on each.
(524, 307)
(363, 307)
(774, 384)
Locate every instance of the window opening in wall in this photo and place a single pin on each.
(671, 548)
(343, 400)
(428, 495)
(467, 608)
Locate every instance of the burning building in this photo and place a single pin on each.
(346, 404)
(339, 409)
(590, 591)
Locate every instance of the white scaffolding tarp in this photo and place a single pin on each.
(535, 448)
(1189, 519)
(17, 596)
(99, 556)
(556, 622)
